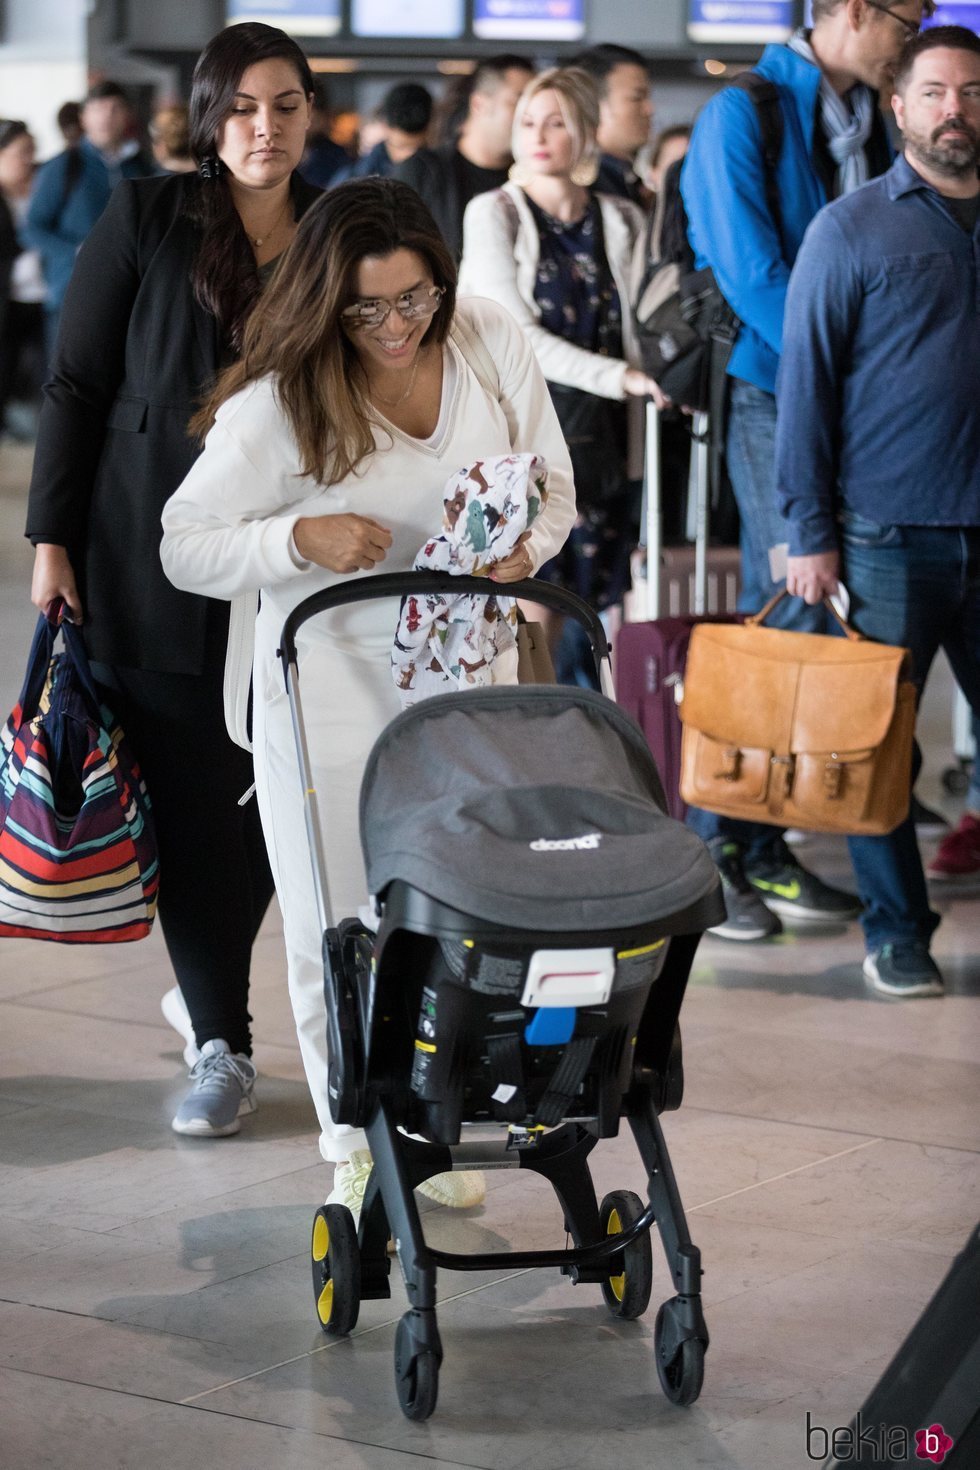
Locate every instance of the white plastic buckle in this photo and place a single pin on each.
(569, 977)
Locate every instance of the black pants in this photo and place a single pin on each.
(215, 881)
(22, 352)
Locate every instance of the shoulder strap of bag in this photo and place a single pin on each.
(513, 217)
(476, 356)
(769, 111)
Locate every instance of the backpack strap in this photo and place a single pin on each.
(769, 111)
(513, 218)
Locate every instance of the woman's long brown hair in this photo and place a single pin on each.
(294, 333)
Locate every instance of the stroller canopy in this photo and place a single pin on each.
(536, 807)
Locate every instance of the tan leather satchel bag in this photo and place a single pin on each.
(798, 729)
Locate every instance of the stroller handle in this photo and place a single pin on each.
(404, 584)
(401, 584)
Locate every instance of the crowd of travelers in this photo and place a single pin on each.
(278, 349)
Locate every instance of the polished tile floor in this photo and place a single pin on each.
(155, 1302)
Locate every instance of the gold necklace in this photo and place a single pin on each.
(255, 240)
(395, 402)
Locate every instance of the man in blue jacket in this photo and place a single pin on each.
(833, 140)
(72, 190)
(878, 438)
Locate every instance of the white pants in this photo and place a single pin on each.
(347, 699)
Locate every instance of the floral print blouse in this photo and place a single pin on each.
(574, 289)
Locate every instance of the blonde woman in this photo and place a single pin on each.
(565, 263)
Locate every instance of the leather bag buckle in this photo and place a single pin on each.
(787, 768)
(833, 779)
(731, 770)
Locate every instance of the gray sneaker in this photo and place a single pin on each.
(746, 917)
(905, 968)
(222, 1092)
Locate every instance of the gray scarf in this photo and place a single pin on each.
(846, 122)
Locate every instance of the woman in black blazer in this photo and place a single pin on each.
(159, 296)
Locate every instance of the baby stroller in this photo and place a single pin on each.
(539, 916)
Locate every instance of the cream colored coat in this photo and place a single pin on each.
(503, 266)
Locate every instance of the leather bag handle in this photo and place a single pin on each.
(757, 618)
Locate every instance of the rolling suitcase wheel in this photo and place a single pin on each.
(416, 1373)
(336, 1270)
(681, 1377)
(628, 1294)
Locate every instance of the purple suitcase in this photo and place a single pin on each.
(651, 655)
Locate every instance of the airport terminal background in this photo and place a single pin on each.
(155, 1303)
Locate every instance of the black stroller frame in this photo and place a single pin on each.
(611, 1243)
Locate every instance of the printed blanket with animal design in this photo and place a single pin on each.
(447, 643)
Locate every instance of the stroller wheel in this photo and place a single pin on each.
(416, 1375)
(336, 1269)
(627, 1295)
(681, 1379)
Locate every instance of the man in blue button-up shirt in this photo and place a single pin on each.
(878, 434)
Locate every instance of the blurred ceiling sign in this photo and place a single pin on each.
(740, 22)
(298, 17)
(529, 20)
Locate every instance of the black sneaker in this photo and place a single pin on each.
(903, 969)
(746, 916)
(789, 889)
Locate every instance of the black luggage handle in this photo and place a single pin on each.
(405, 584)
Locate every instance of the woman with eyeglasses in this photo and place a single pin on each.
(362, 387)
(157, 304)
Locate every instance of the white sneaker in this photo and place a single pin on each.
(350, 1179)
(175, 1013)
(462, 1189)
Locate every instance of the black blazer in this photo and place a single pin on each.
(135, 354)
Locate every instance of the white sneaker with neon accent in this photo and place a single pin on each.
(462, 1189)
(350, 1179)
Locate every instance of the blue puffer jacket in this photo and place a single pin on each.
(56, 225)
(723, 187)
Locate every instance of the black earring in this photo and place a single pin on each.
(210, 167)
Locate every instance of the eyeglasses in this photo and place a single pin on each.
(912, 27)
(412, 305)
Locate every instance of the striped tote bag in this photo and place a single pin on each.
(78, 860)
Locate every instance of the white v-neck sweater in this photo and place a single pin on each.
(229, 527)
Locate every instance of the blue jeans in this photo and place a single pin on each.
(918, 586)
(751, 460)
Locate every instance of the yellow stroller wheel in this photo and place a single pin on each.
(627, 1294)
(336, 1270)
